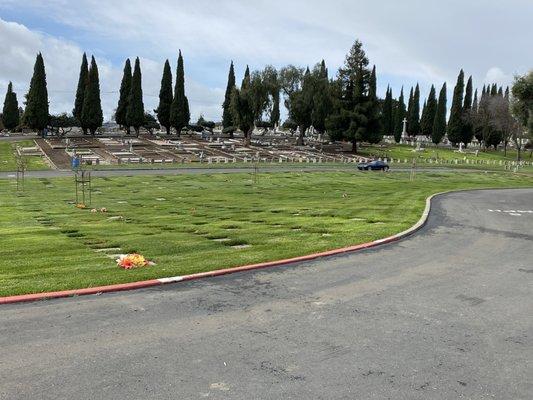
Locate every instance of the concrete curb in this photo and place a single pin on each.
(163, 281)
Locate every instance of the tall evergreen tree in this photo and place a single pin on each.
(80, 91)
(36, 114)
(179, 110)
(92, 116)
(439, 124)
(387, 122)
(135, 111)
(409, 110)
(426, 122)
(10, 112)
(242, 107)
(399, 116)
(227, 113)
(165, 98)
(371, 123)
(414, 113)
(321, 100)
(455, 123)
(467, 127)
(123, 101)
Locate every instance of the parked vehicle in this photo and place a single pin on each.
(373, 166)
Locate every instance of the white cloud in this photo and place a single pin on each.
(19, 46)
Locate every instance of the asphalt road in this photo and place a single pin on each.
(54, 173)
(444, 314)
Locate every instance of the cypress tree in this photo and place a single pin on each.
(227, 115)
(387, 122)
(165, 98)
(125, 90)
(414, 113)
(179, 110)
(409, 111)
(439, 124)
(468, 127)
(10, 112)
(426, 123)
(242, 108)
(455, 123)
(321, 101)
(36, 114)
(372, 126)
(135, 111)
(92, 116)
(400, 115)
(80, 91)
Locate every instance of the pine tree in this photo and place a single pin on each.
(135, 111)
(387, 122)
(227, 114)
(399, 116)
(125, 90)
(10, 112)
(92, 116)
(439, 124)
(467, 127)
(371, 132)
(36, 114)
(414, 113)
(179, 110)
(80, 91)
(426, 123)
(165, 98)
(455, 123)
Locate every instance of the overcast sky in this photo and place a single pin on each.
(410, 41)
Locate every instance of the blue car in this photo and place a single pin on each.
(373, 166)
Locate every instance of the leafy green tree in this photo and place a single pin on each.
(165, 98)
(150, 122)
(428, 116)
(135, 112)
(179, 110)
(387, 122)
(302, 106)
(400, 114)
(10, 112)
(439, 123)
(36, 112)
(522, 101)
(413, 114)
(62, 123)
(123, 101)
(467, 133)
(80, 91)
(227, 114)
(92, 116)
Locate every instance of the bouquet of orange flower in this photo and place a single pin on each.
(134, 260)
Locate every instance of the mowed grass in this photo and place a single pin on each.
(405, 151)
(194, 223)
(8, 160)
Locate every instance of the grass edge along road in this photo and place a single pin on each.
(206, 222)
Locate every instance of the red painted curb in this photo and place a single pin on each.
(79, 292)
(161, 281)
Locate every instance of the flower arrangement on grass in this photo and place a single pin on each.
(134, 260)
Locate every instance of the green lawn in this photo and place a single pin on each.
(190, 223)
(406, 151)
(8, 161)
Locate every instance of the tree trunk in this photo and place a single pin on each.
(127, 130)
(248, 137)
(354, 146)
(168, 129)
(505, 149)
